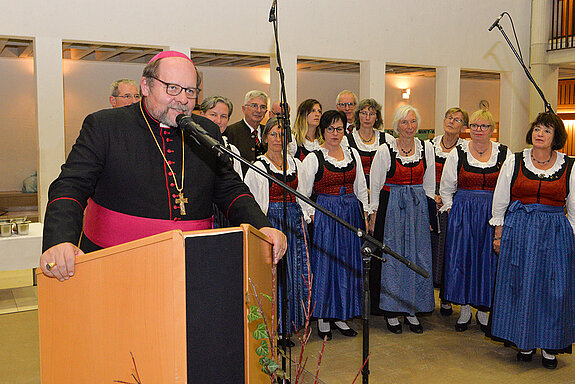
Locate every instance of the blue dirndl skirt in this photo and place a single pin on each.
(407, 233)
(534, 303)
(470, 262)
(296, 256)
(336, 258)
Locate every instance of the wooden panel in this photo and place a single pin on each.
(257, 247)
(128, 298)
(566, 94)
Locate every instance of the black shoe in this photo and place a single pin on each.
(445, 311)
(346, 332)
(548, 363)
(324, 335)
(525, 356)
(462, 327)
(394, 328)
(484, 328)
(415, 328)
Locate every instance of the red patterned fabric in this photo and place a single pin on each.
(331, 182)
(276, 192)
(477, 181)
(406, 175)
(548, 192)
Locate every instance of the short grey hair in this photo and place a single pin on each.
(346, 92)
(255, 93)
(211, 102)
(400, 114)
(114, 91)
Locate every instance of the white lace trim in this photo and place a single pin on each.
(366, 147)
(311, 145)
(409, 159)
(479, 164)
(291, 165)
(436, 141)
(347, 157)
(559, 161)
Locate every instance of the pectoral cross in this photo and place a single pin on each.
(181, 200)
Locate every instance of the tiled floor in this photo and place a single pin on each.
(18, 300)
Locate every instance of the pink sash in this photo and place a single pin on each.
(107, 228)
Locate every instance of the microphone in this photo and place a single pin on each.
(496, 22)
(193, 129)
(273, 12)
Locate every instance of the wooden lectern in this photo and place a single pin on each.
(177, 301)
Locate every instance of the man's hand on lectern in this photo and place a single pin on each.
(279, 241)
(59, 261)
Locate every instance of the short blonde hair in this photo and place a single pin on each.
(483, 115)
(400, 114)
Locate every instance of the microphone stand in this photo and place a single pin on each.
(370, 248)
(548, 107)
(285, 129)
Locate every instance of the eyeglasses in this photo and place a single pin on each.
(367, 114)
(331, 129)
(175, 89)
(482, 127)
(129, 96)
(456, 119)
(275, 135)
(255, 106)
(346, 105)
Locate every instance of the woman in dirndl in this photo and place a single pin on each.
(534, 303)
(467, 185)
(366, 136)
(334, 173)
(454, 122)
(402, 191)
(270, 198)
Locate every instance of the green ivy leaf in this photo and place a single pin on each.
(267, 297)
(261, 332)
(254, 313)
(264, 349)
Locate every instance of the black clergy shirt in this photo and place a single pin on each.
(116, 162)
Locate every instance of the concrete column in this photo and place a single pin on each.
(49, 78)
(447, 90)
(372, 80)
(514, 112)
(546, 75)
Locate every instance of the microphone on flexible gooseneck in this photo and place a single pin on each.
(496, 22)
(193, 129)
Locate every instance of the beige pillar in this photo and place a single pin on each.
(49, 78)
(447, 90)
(372, 81)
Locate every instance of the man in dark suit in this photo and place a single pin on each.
(246, 134)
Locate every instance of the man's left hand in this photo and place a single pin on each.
(279, 241)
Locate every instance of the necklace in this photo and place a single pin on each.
(405, 153)
(542, 162)
(445, 146)
(278, 166)
(368, 140)
(180, 200)
(480, 152)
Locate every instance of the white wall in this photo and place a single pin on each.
(86, 90)
(18, 137)
(324, 86)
